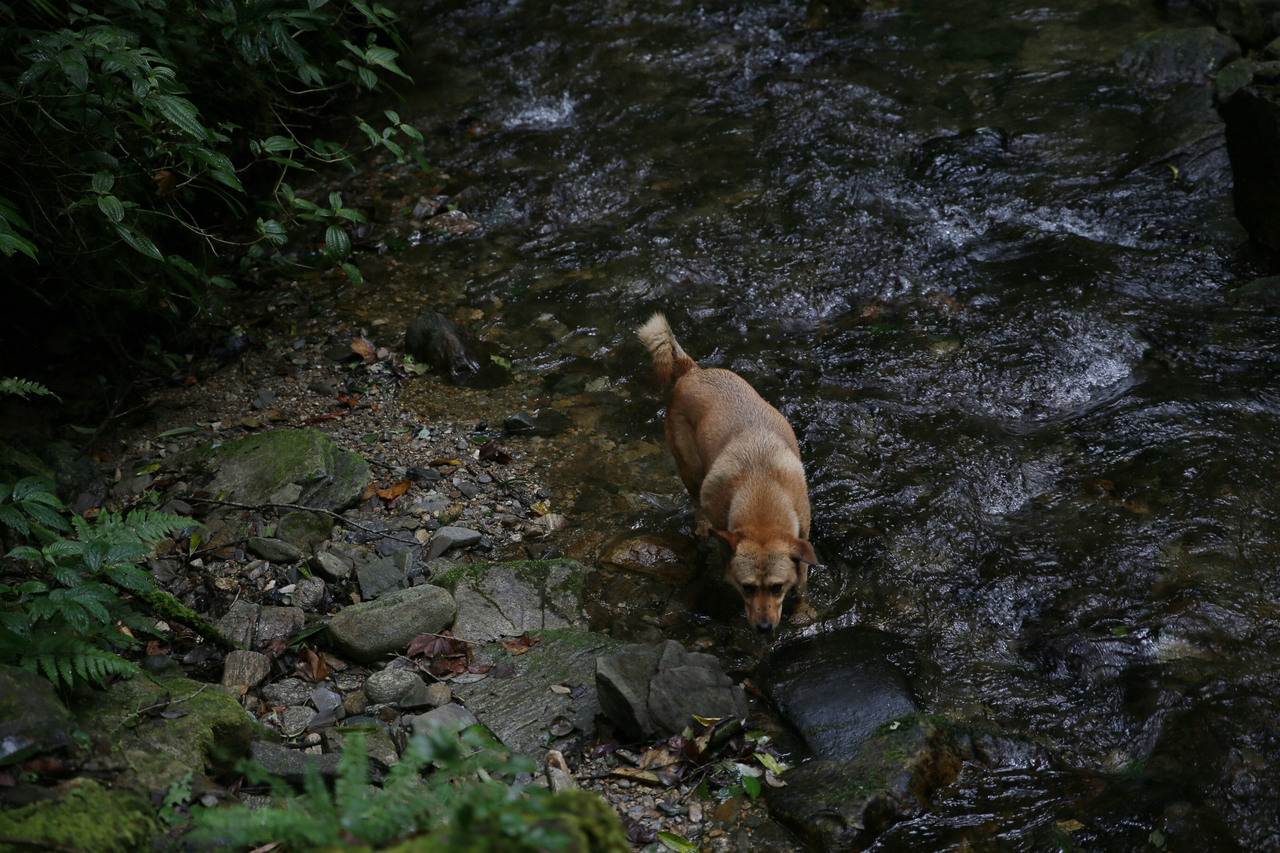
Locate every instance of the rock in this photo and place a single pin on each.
(332, 565)
(370, 630)
(240, 624)
(328, 705)
(295, 719)
(306, 531)
(391, 684)
(377, 743)
(33, 719)
(275, 550)
(548, 422)
(432, 339)
(245, 669)
(253, 470)
(419, 696)
(508, 599)
(451, 537)
(291, 764)
(656, 690)
(1252, 116)
(453, 717)
(521, 709)
(670, 561)
(85, 817)
(438, 693)
(835, 689)
(187, 726)
(1259, 293)
(277, 622)
(386, 574)
(309, 593)
(845, 805)
(1171, 56)
(288, 691)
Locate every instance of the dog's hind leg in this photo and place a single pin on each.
(684, 447)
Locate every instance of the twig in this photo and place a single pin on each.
(327, 512)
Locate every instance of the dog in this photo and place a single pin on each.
(739, 459)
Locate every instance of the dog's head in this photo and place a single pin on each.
(764, 572)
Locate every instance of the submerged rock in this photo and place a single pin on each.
(1252, 116)
(836, 689)
(845, 805)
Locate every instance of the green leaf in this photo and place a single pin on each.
(138, 242)
(337, 241)
(181, 112)
(751, 785)
(103, 181)
(275, 144)
(671, 841)
(111, 207)
(353, 273)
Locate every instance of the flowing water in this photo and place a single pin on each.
(952, 243)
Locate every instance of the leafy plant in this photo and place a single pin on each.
(65, 615)
(457, 790)
(136, 136)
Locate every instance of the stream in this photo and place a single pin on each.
(957, 248)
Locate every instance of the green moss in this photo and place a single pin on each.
(87, 817)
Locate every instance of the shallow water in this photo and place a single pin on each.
(952, 244)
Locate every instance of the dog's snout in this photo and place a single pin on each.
(764, 627)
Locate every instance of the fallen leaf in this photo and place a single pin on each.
(396, 491)
(364, 348)
(519, 645)
(561, 689)
(493, 452)
(671, 841)
(166, 183)
(329, 417)
(313, 667)
(561, 726)
(637, 833)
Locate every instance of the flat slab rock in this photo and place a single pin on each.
(836, 689)
(521, 710)
(509, 599)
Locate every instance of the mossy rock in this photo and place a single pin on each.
(508, 599)
(86, 817)
(286, 466)
(159, 730)
(846, 805)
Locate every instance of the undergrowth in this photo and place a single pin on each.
(449, 792)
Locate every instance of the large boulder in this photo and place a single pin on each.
(33, 719)
(86, 817)
(158, 730)
(835, 689)
(1252, 115)
(508, 599)
(845, 805)
(288, 466)
(371, 630)
(650, 690)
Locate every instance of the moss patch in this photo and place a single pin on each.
(87, 817)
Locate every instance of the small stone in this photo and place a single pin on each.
(295, 719)
(276, 622)
(390, 685)
(332, 566)
(290, 691)
(355, 703)
(453, 717)
(240, 623)
(309, 593)
(451, 537)
(439, 694)
(245, 669)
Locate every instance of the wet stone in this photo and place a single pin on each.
(381, 576)
(332, 566)
(451, 537)
(367, 631)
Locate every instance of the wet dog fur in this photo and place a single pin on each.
(739, 459)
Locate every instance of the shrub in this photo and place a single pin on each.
(139, 138)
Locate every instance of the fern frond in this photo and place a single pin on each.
(64, 658)
(23, 387)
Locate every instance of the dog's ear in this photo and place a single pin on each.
(803, 551)
(730, 536)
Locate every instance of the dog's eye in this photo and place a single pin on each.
(776, 589)
(749, 588)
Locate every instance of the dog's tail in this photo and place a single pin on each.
(669, 360)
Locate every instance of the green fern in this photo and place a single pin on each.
(457, 790)
(67, 619)
(23, 387)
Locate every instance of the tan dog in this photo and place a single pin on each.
(739, 460)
